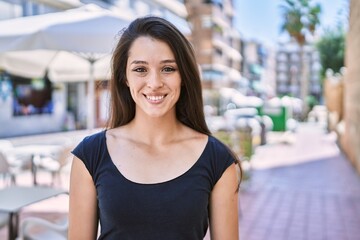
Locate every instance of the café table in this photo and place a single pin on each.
(14, 198)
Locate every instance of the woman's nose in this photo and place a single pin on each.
(155, 81)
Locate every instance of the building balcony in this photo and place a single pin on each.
(282, 77)
(282, 57)
(227, 50)
(282, 67)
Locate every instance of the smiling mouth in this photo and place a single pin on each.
(155, 98)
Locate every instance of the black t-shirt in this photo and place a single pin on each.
(177, 209)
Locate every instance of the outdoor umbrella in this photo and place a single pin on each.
(73, 45)
(60, 66)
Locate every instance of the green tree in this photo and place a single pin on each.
(300, 19)
(331, 47)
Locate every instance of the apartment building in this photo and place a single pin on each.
(288, 71)
(216, 42)
(257, 68)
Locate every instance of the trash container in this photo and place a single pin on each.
(278, 114)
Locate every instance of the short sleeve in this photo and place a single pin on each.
(78, 151)
(222, 158)
(89, 151)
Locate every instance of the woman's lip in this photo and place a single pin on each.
(155, 98)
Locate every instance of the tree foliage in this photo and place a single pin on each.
(300, 17)
(331, 47)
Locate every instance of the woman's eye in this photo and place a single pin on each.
(168, 69)
(139, 70)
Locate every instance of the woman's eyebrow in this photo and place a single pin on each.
(168, 61)
(146, 63)
(139, 62)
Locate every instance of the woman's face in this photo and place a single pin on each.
(153, 77)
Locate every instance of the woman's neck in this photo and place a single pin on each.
(155, 130)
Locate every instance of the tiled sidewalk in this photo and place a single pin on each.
(303, 188)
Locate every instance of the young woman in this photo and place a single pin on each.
(156, 172)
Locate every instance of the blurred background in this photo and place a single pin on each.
(280, 87)
(283, 58)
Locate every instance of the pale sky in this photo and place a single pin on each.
(261, 19)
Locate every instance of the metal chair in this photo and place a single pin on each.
(55, 162)
(11, 162)
(8, 176)
(34, 228)
(8, 171)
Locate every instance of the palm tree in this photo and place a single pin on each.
(301, 18)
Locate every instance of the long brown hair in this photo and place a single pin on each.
(189, 108)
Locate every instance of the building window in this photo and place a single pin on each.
(218, 51)
(212, 75)
(216, 28)
(215, 2)
(206, 21)
(31, 96)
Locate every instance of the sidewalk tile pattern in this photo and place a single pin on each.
(306, 196)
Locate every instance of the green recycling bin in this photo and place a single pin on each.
(278, 114)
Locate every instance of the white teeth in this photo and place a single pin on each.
(154, 98)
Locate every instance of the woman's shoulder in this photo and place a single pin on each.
(89, 142)
(218, 149)
(217, 157)
(89, 145)
(95, 138)
(192, 139)
(91, 150)
(213, 146)
(217, 144)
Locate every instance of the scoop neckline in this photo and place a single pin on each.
(155, 183)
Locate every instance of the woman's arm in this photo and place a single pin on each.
(83, 220)
(224, 216)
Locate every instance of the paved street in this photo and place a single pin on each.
(301, 187)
